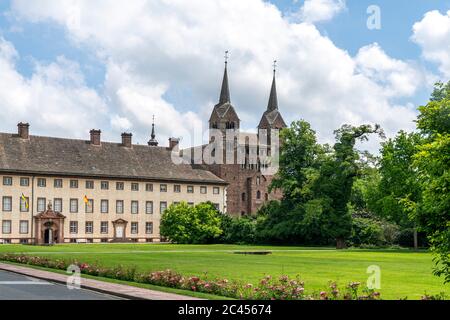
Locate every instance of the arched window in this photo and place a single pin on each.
(244, 197)
(258, 195)
(214, 125)
(230, 125)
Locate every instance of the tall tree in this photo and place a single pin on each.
(298, 161)
(399, 186)
(338, 171)
(433, 163)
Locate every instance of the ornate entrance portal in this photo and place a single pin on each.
(49, 227)
(120, 227)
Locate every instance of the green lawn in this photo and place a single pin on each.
(403, 273)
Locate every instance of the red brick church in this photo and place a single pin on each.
(248, 181)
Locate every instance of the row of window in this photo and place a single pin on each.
(104, 227)
(89, 227)
(105, 185)
(89, 206)
(7, 227)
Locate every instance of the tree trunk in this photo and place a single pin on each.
(416, 241)
(340, 243)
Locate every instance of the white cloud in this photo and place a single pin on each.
(54, 98)
(152, 47)
(398, 78)
(320, 10)
(432, 34)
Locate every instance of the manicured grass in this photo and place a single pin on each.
(200, 295)
(404, 273)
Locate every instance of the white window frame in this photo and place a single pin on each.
(74, 209)
(58, 183)
(90, 185)
(7, 181)
(6, 226)
(89, 227)
(41, 203)
(149, 228)
(104, 206)
(73, 227)
(42, 182)
(24, 227)
(104, 225)
(134, 207)
(134, 228)
(74, 184)
(161, 210)
(89, 207)
(23, 206)
(122, 203)
(26, 184)
(56, 207)
(149, 207)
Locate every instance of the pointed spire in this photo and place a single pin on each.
(153, 142)
(225, 92)
(273, 100)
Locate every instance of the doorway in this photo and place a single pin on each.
(48, 236)
(119, 231)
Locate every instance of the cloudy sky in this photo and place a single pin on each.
(70, 66)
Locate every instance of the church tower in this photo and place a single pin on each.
(272, 119)
(224, 116)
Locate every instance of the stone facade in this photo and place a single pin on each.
(248, 185)
(44, 183)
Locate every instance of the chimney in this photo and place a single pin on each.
(23, 130)
(173, 143)
(127, 140)
(96, 137)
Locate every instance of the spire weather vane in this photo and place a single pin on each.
(226, 56)
(275, 66)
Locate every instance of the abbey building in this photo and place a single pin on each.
(55, 190)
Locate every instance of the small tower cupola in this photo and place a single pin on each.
(153, 142)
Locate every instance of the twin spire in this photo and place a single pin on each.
(225, 91)
(273, 99)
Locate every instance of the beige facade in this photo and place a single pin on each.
(143, 201)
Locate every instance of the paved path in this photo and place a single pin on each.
(19, 287)
(120, 290)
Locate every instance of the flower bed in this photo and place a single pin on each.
(269, 288)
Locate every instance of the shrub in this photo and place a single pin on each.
(373, 232)
(185, 224)
(238, 230)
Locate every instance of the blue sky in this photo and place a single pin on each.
(186, 86)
